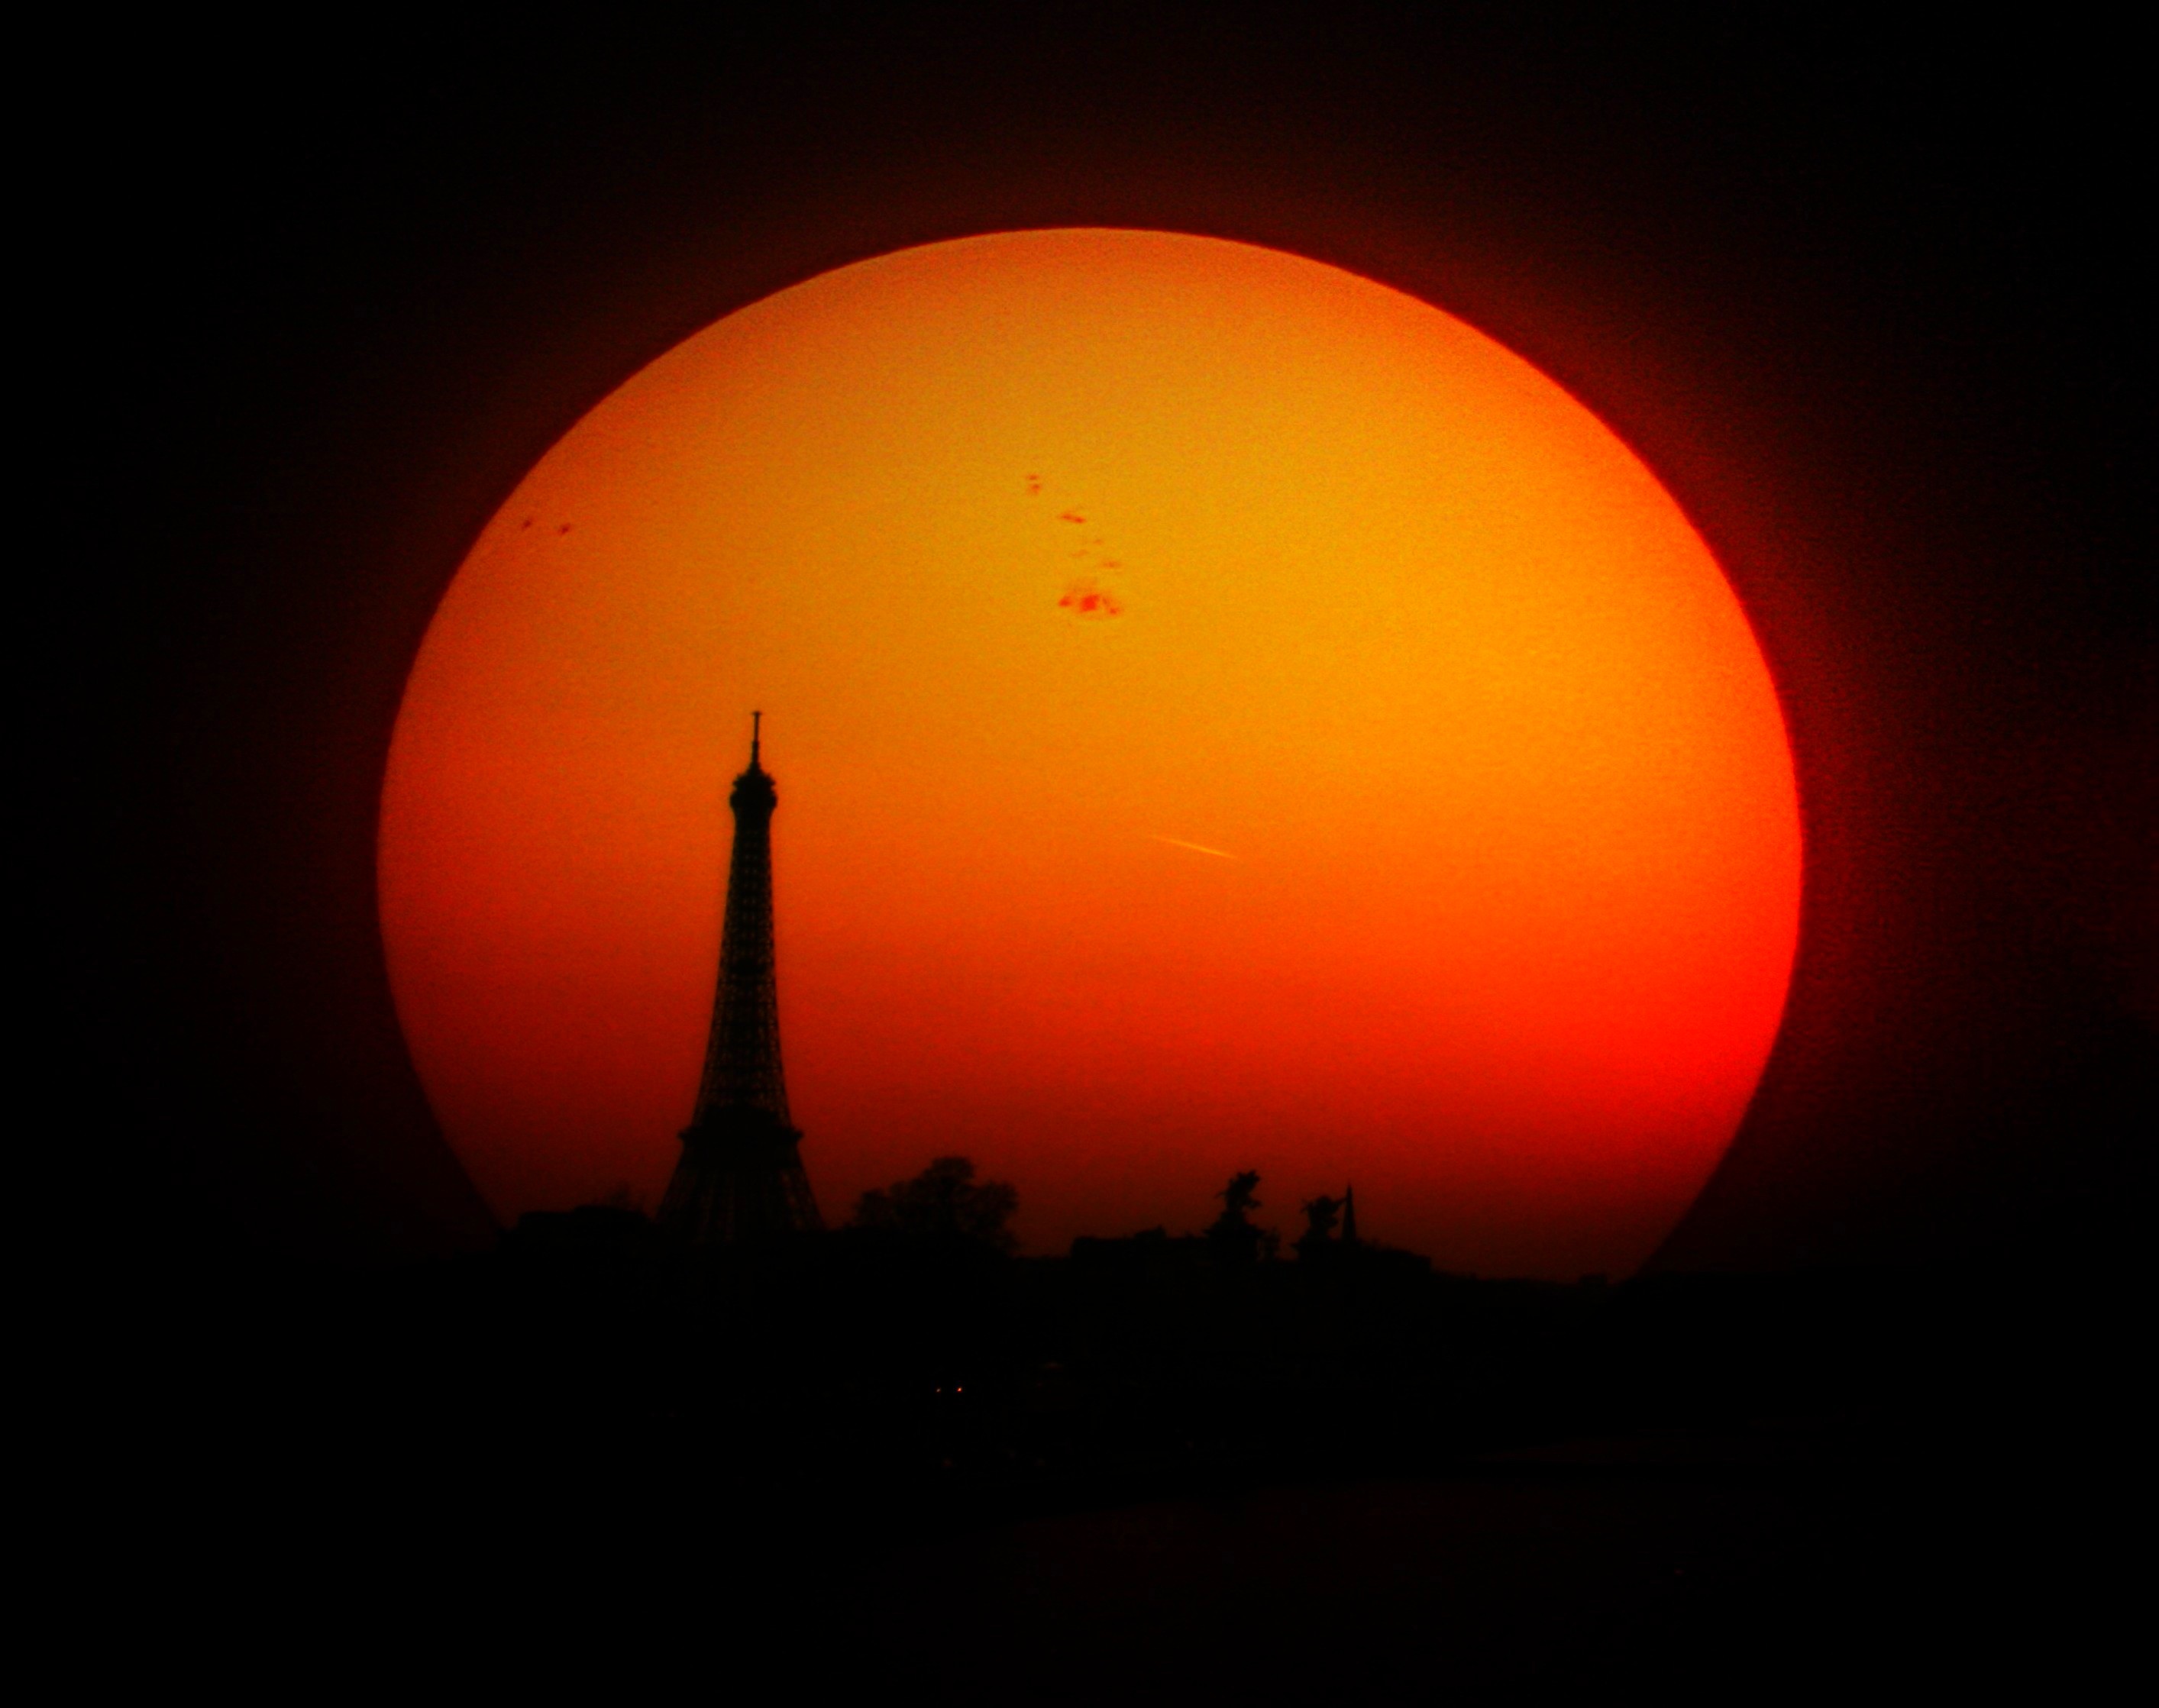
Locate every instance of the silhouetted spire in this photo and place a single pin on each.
(1349, 1215)
(740, 1177)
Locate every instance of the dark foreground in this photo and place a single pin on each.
(1139, 1473)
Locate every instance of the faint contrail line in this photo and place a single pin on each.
(1196, 847)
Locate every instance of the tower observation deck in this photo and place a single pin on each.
(739, 1179)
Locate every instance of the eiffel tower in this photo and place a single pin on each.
(739, 1180)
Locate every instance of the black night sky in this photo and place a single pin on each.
(1869, 299)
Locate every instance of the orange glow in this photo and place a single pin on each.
(1226, 714)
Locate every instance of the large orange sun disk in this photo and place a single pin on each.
(1227, 714)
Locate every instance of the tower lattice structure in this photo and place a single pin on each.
(739, 1179)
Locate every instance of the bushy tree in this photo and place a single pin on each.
(944, 1200)
(1232, 1232)
(1321, 1214)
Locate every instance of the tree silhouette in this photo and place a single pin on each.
(1241, 1194)
(1320, 1215)
(1233, 1235)
(943, 1201)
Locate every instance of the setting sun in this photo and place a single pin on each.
(1226, 714)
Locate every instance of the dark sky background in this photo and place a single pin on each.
(1871, 303)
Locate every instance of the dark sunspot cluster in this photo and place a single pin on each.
(1085, 599)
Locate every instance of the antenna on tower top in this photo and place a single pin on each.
(756, 730)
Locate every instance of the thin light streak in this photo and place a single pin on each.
(1196, 847)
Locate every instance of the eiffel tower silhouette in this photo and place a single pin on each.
(739, 1179)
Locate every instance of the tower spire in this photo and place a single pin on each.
(740, 1177)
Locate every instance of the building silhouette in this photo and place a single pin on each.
(739, 1179)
